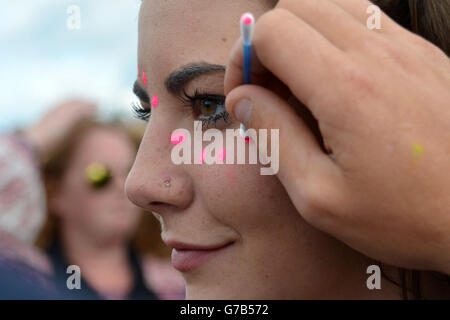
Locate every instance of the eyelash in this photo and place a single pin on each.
(189, 101)
(139, 111)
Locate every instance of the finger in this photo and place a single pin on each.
(293, 52)
(299, 151)
(85, 107)
(235, 64)
(404, 37)
(259, 74)
(362, 10)
(332, 21)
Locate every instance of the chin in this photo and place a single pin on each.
(225, 295)
(218, 294)
(117, 237)
(227, 291)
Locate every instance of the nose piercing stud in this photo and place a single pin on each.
(167, 182)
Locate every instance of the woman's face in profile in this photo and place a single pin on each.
(103, 214)
(269, 251)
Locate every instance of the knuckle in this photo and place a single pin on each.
(381, 45)
(267, 26)
(358, 79)
(369, 40)
(393, 51)
(429, 50)
(287, 3)
(385, 49)
(317, 197)
(324, 204)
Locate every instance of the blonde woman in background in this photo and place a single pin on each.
(47, 145)
(93, 225)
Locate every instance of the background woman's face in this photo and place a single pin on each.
(104, 215)
(273, 252)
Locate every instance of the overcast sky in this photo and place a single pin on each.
(42, 61)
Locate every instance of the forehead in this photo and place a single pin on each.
(103, 144)
(174, 33)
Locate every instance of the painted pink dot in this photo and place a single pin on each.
(177, 138)
(221, 155)
(144, 78)
(155, 101)
(247, 139)
(231, 174)
(247, 19)
(201, 157)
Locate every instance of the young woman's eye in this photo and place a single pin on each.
(207, 108)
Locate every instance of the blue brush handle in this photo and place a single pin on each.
(247, 62)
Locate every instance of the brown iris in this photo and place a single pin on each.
(207, 105)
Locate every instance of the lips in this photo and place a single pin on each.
(186, 257)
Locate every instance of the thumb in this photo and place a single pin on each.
(259, 108)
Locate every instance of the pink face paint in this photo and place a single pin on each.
(247, 19)
(155, 101)
(231, 175)
(247, 139)
(144, 78)
(177, 138)
(221, 155)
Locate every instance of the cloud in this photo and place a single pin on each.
(43, 62)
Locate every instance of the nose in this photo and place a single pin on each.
(118, 183)
(154, 182)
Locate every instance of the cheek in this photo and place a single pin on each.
(132, 216)
(75, 194)
(85, 204)
(231, 177)
(239, 196)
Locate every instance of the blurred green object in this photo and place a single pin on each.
(98, 175)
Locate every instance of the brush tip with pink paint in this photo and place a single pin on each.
(247, 18)
(247, 26)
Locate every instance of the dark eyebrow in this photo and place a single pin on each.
(180, 77)
(140, 92)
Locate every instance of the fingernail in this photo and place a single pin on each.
(243, 111)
